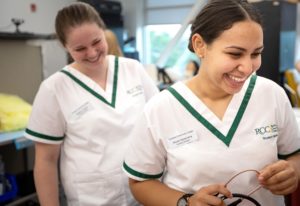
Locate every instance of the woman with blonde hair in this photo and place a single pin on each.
(113, 43)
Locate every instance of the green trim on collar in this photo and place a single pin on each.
(138, 174)
(226, 139)
(115, 84)
(280, 156)
(52, 138)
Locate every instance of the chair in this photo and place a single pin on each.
(291, 85)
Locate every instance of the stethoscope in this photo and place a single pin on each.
(242, 197)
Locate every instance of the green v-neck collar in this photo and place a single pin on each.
(84, 86)
(226, 139)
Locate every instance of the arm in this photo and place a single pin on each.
(46, 173)
(153, 192)
(281, 177)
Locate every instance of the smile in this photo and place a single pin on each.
(237, 79)
(93, 60)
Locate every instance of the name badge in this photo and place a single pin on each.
(135, 91)
(182, 139)
(80, 111)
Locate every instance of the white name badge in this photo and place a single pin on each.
(182, 139)
(135, 91)
(81, 110)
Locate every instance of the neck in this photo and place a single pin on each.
(215, 99)
(204, 89)
(98, 75)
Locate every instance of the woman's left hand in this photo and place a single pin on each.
(281, 177)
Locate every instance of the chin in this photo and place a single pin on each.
(234, 90)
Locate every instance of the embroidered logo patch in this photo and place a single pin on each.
(267, 132)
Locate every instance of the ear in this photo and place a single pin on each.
(199, 45)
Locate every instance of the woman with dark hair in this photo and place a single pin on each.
(192, 68)
(225, 136)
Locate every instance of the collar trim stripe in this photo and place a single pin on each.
(226, 139)
(115, 83)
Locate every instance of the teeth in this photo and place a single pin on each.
(92, 60)
(237, 79)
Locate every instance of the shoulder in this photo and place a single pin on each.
(162, 101)
(125, 64)
(266, 88)
(129, 67)
(267, 84)
(54, 81)
(124, 61)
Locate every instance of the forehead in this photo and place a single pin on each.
(83, 34)
(245, 34)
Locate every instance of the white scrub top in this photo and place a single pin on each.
(181, 141)
(93, 127)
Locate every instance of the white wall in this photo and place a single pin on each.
(41, 21)
(134, 12)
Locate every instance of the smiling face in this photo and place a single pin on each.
(87, 45)
(231, 58)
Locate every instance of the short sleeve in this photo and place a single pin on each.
(148, 84)
(46, 122)
(145, 158)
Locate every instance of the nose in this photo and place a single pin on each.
(91, 52)
(247, 65)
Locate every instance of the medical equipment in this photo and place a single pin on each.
(242, 197)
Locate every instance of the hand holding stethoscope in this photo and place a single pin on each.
(280, 178)
(210, 195)
(238, 197)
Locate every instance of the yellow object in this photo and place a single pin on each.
(291, 82)
(14, 113)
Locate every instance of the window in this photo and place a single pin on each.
(157, 39)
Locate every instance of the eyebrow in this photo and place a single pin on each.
(242, 49)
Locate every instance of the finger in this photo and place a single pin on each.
(287, 173)
(204, 199)
(284, 191)
(270, 170)
(284, 187)
(214, 200)
(207, 195)
(281, 177)
(216, 189)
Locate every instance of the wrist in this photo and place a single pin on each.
(184, 200)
